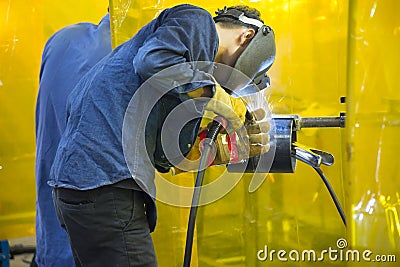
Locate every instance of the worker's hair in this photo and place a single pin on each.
(230, 22)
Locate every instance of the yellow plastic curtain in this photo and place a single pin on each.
(325, 49)
(373, 177)
(25, 26)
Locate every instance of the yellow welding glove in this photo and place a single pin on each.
(229, 148)
(233, 148)
(192, 159)
(252, 141)
(231, 108)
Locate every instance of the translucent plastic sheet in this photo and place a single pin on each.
(288, 211)
(373, 177)
(25, 26)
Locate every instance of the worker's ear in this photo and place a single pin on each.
(246, 36)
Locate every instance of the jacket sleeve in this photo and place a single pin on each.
(181, 50)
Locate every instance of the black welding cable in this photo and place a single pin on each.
(332, 193)
(208, 142)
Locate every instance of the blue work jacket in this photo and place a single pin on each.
(67, 56)
(91, 152)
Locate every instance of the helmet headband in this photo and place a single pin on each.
(237, 15)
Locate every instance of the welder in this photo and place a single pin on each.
(108, 209)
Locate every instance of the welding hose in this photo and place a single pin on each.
(208, 143)
(332, 194)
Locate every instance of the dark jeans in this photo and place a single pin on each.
(107, 226)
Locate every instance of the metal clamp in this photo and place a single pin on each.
(311, 156)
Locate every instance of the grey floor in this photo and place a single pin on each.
(22, 260)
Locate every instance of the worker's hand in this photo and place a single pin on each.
(231, 148)
(231, 108)
(236, 147)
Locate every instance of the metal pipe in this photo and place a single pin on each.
(321, 122)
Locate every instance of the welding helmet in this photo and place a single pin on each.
(254, 62)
